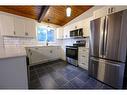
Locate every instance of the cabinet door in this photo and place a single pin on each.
(100, 12)
(19, 26)
(79, 24)
(86, 27)
(83, 57)
(86, 30)
(59, 33)
(30, 28)
(119, 8)
(55, 52)
(38, 55)
(7, 25)
(67, 32)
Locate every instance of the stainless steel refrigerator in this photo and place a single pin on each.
(108, 48)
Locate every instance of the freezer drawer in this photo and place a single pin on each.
(106, 71)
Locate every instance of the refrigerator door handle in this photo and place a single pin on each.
(105, 35)
(102, 34)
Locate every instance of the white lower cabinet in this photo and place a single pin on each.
(83, 56)
(43, 54)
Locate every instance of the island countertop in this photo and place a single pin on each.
(8, 54)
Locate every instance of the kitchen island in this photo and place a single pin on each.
(13, 70)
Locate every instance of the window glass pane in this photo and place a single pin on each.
(41, 34)
(50, 35)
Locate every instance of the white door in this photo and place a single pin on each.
(7, 25)
(19, 26)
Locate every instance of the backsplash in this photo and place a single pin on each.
(12, 41)
(12, 44)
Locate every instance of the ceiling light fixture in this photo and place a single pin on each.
(68, 11)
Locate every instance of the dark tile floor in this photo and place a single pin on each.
(60, 75)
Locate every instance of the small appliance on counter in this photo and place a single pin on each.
(72, 52)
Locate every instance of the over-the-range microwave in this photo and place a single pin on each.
(76, 33)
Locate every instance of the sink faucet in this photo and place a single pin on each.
(47, 43)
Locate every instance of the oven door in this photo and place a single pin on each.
(72, 52)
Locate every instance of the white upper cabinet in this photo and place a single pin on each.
(100, 12)
(86, 26)
(108, 10)
(19, 25)
(12, 25)
(7, 25)
(67, 32)
(30, 28)
(60, 33)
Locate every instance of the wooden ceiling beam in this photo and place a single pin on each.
(43, 11)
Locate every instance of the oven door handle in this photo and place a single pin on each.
(71, 48)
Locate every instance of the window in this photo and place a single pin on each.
(45, 34)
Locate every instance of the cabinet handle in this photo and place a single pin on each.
(36, 48)
(31, 53)
(75, 27)
(83, 56)
(29, 50)
(26, 33)
(14, 33)
(50, 51)
(112, 10)
(109, 10)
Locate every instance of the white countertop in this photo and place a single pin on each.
(41, 46)
(8, 54)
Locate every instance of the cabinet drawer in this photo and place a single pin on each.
(84, 55)
(83, 60)
(84, 51)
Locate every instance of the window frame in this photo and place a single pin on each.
(54, 41)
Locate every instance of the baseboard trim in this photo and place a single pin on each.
(42, 62)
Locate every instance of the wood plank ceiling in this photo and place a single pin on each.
(55, 14)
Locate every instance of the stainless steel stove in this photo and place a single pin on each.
(72, 52)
